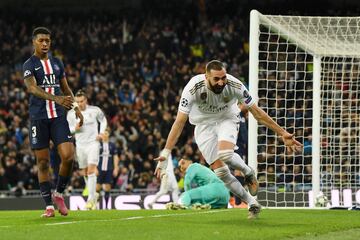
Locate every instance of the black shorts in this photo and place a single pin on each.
(105, 177)
(44, 130)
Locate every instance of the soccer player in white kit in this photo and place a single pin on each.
(88, 138)
(210, 101)
(168, 184)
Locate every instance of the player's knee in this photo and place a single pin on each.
(107, 187)
(66, 152)
(91, 172)
(225, 155)
(67, 157)
(92, 169)
(43, 164)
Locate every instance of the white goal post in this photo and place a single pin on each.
(305, 73)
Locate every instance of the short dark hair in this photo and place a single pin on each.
(215, 65)
(187, 158)
(80, 93)
(40, 30)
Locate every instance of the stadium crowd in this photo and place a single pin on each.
(133, 68)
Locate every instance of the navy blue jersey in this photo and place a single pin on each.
(48, 74)
(107, 152)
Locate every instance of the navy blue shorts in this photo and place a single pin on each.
(105, 177)
(44, 130)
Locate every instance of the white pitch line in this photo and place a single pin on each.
(61, 223)
(136, 217)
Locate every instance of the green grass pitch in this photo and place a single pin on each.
(182, 224)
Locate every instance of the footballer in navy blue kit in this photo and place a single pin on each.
(108, 166)
(50, 95)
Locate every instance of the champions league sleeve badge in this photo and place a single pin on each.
(184, 102)
(27, 73)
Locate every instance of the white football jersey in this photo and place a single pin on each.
(205, 107)
(90, 128)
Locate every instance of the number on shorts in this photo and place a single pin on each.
(33, 129)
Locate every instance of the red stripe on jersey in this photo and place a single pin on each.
(50, 102)
(47, 68)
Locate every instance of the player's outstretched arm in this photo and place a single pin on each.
(67, 91)
(289, 140)
(172, 139)
(32, 88)
(174, 134)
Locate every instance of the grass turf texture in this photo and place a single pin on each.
(186, 224)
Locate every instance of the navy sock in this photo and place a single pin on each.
(61, 184)
(107, 196)
(45, 189)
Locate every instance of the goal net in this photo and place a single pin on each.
(305, 73)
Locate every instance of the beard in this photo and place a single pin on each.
(217, 89)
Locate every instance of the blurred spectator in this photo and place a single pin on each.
(122, 180)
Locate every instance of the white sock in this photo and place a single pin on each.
(238, 163)
(91, 186)
(85, 180)
(175, 195)
(234, 185)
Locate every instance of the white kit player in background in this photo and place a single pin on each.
(168, 184)
(88, 140)
(210, 101)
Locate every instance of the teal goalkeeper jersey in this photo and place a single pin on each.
(198, 175)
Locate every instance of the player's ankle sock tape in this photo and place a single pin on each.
(225, 155)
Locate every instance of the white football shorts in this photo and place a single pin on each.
(88, 154)
(208, 136)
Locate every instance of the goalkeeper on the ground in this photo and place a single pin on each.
(203, 189)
